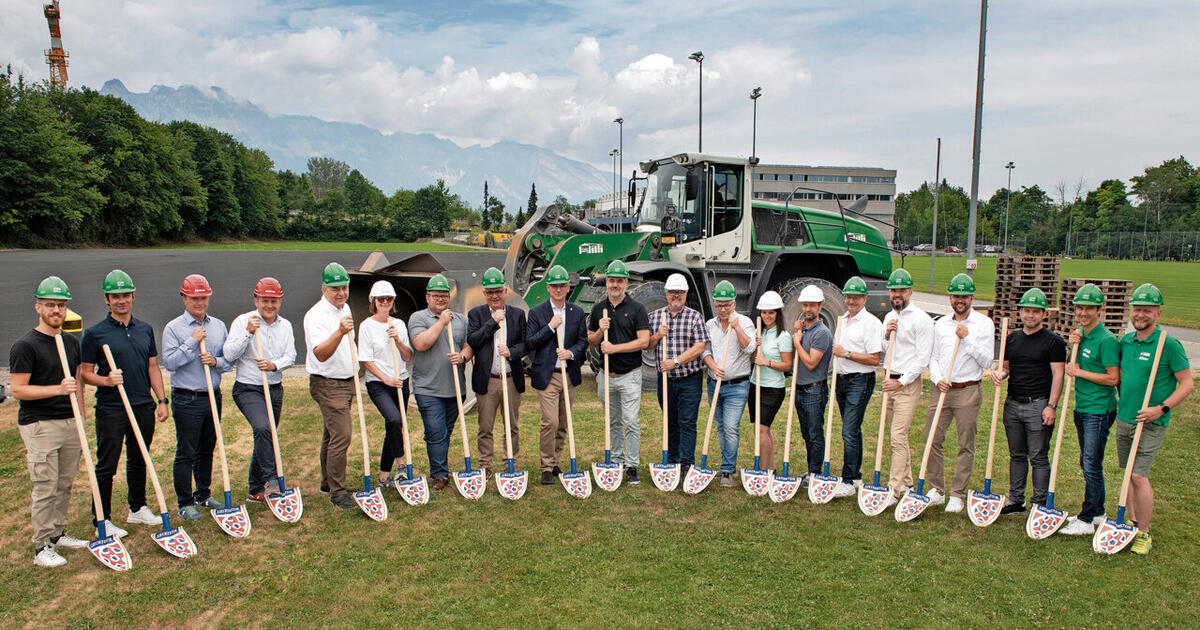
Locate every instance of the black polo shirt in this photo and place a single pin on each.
(36, 354)
(132, 346)
(628, 318)
(1029, 358)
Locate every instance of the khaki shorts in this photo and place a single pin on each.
(1148, 445)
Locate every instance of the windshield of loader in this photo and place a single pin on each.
(666, 193)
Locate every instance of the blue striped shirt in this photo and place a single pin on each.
(181, 353)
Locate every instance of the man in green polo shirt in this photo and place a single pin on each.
(1096, 372)
(1172, 384)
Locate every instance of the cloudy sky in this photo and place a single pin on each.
(1089, 89)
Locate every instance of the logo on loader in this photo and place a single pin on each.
(591, 248)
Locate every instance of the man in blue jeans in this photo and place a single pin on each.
(1097, 371)
(861, 345)
(683, 337)
(734, 372)
(812, 342)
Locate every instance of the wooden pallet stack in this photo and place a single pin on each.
(1113, 314)
(1014, 276)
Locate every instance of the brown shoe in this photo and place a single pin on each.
(556, 471)
(547, 478)
(487, 471)
(440, 483)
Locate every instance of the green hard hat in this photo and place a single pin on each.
(558, 275)
(1034, 298)
(855, 286)
(118, 281)
(616, 269)
(440, 283)
(724, 291)
(962, 284)
(900, 279)
(1088, 295)
(335, 275)
(492, 279)
(52, 288)
(1146, 295)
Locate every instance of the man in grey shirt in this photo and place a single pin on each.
(812, 342)
(432, 371)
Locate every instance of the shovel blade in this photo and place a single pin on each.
(873, 499)
(665, 476)
(372, 503)
(783, 488)
(608, 476)
(821, 488)
(287, 506)
(470, 483)
(233, 521)
(111, 553)
(911, 505)
(756, 481)
(577, 484)
(984, 508)
(413, 491)
(1043, 522)
(176, 542)
(1112, 536)
(697, 479)
(512, 485)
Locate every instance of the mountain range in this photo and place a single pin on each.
(390, 161)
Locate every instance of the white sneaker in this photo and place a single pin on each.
(67, 541)
(1099, 520)
(112, 530)
(892, 500)
(143, 517)
(954, 505)
(1077, 527)
(844, 490)
(48, 557)
(936, 497)
(857, 484)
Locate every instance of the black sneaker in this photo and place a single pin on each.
(556, 471)
(547, 477)
(631, 476)
(1013, 508)
(324, 489)
(343, 501)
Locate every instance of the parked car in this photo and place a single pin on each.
(923, 247)
(953, 250)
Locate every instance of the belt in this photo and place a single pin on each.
(735, 381)
(505, 375)
(811, 385)
(344, 380)
(680, 378)
(842, 376)
(1025, 400)
(894, 376)
(176, 391)
(965, 384)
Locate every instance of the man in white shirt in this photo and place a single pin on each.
(914, 344)
(278, 354)
(861, 345)
(327, 329)
(735, 372)
(976, 336)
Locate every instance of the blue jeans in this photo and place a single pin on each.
(195, 440)
(683, 398)
(1092, 429)
(810, 413)
(251, 402)
(730, 405)
(438, 415)
(853, 394)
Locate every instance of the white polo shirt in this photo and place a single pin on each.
(863, 334)
(975, 351)
(319, 323)
(914, 342)
(375, 346)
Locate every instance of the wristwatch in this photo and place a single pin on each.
(1166, 409)
(164, 401)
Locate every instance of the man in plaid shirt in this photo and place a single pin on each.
(679, 356)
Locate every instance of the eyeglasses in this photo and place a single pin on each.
(385, 299)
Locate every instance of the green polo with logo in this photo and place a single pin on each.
(1098, 351)
(1136, 355)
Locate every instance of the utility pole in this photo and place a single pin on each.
(975, 150)
(614, 153)
(1007, 196)
(754, 94)
(937, 185)
(698, 57)
(621, 148)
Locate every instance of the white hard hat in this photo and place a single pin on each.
(676, 282)
(812, 293)
(770, 301)
(382, 288)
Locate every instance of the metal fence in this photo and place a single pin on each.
(922, 246)
(499, 240)
(1135, 245)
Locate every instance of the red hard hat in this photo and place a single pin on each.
(268, 287)
(195, 285)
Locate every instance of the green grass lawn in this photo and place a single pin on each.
(1175, 279)
(634, 558)
(422, 246)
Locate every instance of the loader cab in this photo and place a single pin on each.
(692, 199)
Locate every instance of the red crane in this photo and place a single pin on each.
(56, 57)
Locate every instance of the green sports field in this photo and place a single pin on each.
(1178, 280)
(354, 246)
(636, 558)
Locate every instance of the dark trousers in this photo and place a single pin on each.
(112, 431)
(195, 439)
(388, 404)
(853, 394)
(810, 412)
(683, 405)
(1028, 447)
(251, 402)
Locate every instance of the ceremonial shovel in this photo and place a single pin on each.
(234, 521)
(757, 481)
(470, 483)
(369, 499)
(915, 501)
(511, 484)
(698, 477)
(821, 487)
(984, 507)
(414, 490)
(577, 483)
(783, 487)
(873, 497)
(1044, 520)
(285, 503)
(608, 475)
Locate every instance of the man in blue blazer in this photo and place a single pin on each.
(542, 343)
(489, 374)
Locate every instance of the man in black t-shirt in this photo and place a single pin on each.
(46, 421)
(1034, 362)
(628, 334)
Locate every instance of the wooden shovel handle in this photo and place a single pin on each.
(937, 412)
(712, 407)
(996, 399)
(837, 340)
(400, 399)
(270, 408)
(137, 432)
(97, 504)
(1063, 402)
(1137, 432)
(566, 392)
(216, 418)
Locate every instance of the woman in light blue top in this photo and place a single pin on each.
(772, 362)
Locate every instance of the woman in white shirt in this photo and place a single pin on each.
(376, 334)
(775, 356)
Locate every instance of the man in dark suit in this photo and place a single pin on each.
(545, 373)
(489, 374)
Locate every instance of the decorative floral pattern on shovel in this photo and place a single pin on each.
(982, 508)
(471, 483)
(233, 521)
(176, 542)
(287, 506)
(110, 552)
